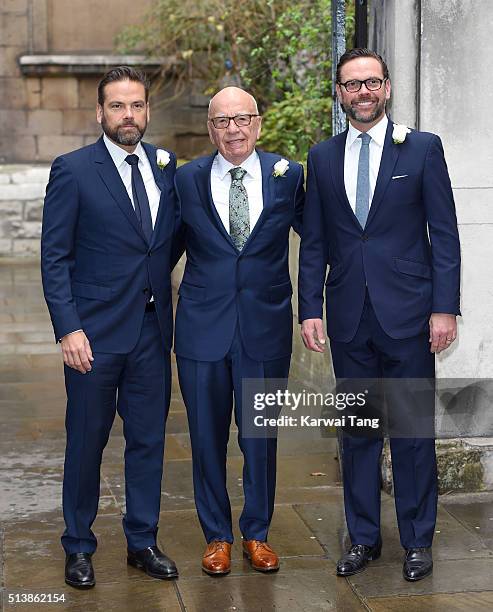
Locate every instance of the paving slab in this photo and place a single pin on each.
(384, 579)
(475, 512)
(466, 602)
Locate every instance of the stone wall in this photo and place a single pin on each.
(50, 109)
(22, 190)
(437, 54)
(46, 113)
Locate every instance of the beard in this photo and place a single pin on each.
(354, 114)
(122, 136)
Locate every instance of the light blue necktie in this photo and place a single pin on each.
(363, 184)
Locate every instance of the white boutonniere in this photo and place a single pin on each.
(399, 133)
(280, 167)
(162, 158)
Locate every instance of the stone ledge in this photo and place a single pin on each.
(61, 65)
(464, 465)
(22, 174)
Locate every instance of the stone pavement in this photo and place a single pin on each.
(307, 530)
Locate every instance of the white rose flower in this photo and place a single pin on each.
(281, 167)
(162, 158)
(399, 133)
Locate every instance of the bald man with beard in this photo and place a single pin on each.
(234, 318)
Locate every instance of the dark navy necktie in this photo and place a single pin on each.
(141, 201)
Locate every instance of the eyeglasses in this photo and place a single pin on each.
(372, 84)
(221, 123)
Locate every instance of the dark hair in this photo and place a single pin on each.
(122, 73)
(360, 52)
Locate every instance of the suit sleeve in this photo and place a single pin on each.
(60, 216)
(313, 252)
(179, 234)
(299, 203)
(442, 227)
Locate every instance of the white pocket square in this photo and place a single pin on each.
(399, 176)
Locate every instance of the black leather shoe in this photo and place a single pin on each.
(79, 572)
(153, 562)
(356, 559)
(418, 564)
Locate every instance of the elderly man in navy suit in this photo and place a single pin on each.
(380, 212)
(108, 226)
(234, 315)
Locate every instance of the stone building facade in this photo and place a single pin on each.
(52, 55)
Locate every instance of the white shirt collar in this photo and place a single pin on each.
(251, 165)
(118, 155)
(377, 132)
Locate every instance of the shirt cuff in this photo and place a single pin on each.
(70, 333)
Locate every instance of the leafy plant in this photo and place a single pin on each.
(280, 50)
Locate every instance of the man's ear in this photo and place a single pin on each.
(338, 92)
(388, 89)
(99, 113)
(209, 129)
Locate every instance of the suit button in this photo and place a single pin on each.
(364, 238)
(149, 253)
(145, 291)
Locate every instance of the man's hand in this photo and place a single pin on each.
(312, 333)
(443, 331)
(77, 352)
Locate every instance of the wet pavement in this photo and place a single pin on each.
(307, 529)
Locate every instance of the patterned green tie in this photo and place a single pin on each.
(239, 214)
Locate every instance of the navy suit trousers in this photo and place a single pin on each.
(136, 384)
(208, 389)
(373, 354)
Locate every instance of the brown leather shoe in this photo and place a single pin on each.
(217, 558)
(261, 555)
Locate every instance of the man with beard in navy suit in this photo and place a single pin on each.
(380, 212)
(234, 318)
(108, 226)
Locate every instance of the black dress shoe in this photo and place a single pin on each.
(79, 572)
(153, 562)
(418, 564)
(356, 559)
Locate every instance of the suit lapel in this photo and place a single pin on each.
(150, 151)
(111, 178)
(161, 182)
(203, 182)
(390, 154)
(337, 167)
(267, 161)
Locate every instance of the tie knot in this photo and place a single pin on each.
(237, 174)
(365, 139)
(133, 160)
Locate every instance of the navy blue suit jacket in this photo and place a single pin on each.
(408, 255)
(98, 269)
(223, 288)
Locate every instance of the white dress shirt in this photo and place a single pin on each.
(351, 158)
(118, 156)
(252, 181)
